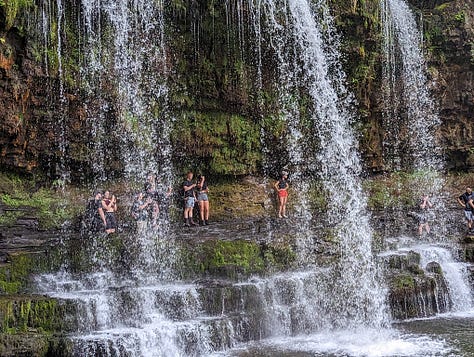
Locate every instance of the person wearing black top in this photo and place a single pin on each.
(465, 200)
(189, 199)
(94, 218)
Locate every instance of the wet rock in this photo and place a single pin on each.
(417, 296)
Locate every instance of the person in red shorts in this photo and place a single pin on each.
(281, 186)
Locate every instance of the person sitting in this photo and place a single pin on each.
(109, 205)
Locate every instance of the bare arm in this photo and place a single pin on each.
(187, 188)
(102, 215)
(471, 203)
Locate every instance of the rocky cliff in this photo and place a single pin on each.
(41, 90)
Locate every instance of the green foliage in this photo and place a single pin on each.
(403, 281)
(51, 206)
(12, 9)
(460, 16)
(399, 189)
(23, 314)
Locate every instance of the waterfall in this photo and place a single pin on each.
(306, 47)
(125, 48)
(410, 117)
(123, 78)
(409, 106)
(455, 273)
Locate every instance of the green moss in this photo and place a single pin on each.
(242, 254)
(221, 143)
(14, 276)
(400, 189)
(51, 206)
(27, 313)
(12, 9)
(281, 256)
(403, 281)
(9, 218)
(230, 258)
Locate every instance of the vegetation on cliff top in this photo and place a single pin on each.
(22, 196)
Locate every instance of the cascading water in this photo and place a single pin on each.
(409, 107)
(123, 54)
(312, 63)
(410, 118)
(412, 122)
(455, 273)
(139, 314)
(125, 48)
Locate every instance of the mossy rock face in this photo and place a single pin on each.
(24, 313)
(34, 345)
(24, 196)
(468, 252)
(15, 275)
(217, 143)
(235, 259)
(412, 293)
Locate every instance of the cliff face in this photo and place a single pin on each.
(218, 106)
(449, 31)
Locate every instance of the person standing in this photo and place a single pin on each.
(163, 194)
(203, 199)
(463, 200)
(151, 194)
(423, 215)
(189, 199)
(140, 210)
(109, 205)
(281, 186)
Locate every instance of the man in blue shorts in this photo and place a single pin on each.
(189, 199)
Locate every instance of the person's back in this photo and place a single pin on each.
(92, 220)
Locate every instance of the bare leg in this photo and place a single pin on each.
(206, 210)
(201, 210)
